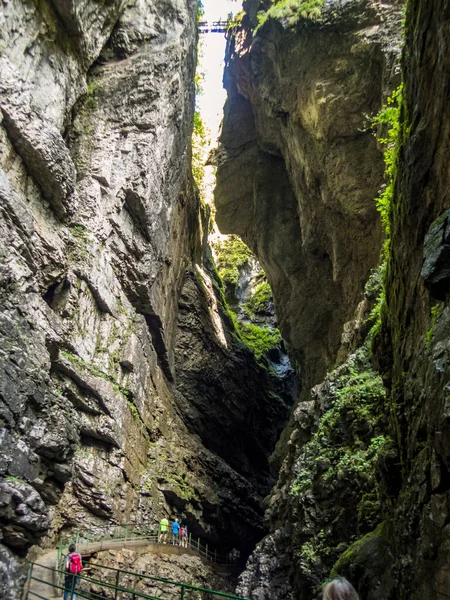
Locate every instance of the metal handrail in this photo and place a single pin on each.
(129, 534)
(164, 580)
(116, 587)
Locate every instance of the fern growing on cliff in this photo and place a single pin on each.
(388, 119)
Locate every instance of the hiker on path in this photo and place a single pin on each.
(184, 536)
(163, 527)
(339, 589)
(175, 532)
(234, 556)
(72, 567)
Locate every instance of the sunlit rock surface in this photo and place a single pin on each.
(118, 363)
(299, 168)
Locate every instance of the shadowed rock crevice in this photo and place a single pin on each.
(155, 328)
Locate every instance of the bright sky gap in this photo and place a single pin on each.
(212, 50)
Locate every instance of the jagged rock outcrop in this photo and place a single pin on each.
(104, 283)
(81, 356)
(328, 492)
(299, 168)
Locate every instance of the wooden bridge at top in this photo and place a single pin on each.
(212, 26)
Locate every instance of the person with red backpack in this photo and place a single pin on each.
(73, 567)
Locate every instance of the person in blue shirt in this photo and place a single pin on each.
(175, 532)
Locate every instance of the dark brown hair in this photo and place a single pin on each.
(339, 589)
(72, 548)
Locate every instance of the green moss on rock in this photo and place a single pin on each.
(259, 302)
(337, 470)
(259, 339)
(291, 11)
(231, 254)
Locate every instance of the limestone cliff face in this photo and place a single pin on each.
(297, 138)
(299, 166)
(104, 287)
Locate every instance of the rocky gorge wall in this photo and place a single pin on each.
(363, 489)
(119, 362)
(412, 347)
(297, 137)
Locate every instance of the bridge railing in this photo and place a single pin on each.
(117, 584)
(128, 533)
(212, 26)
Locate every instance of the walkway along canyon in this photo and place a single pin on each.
(127, 392)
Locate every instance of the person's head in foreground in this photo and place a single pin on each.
(339, 589)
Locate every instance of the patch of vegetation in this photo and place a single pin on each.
(234, 21)
(77, 245)
(232, 254)
(260, 340)
(90, 102)
(291, 11)
(181, 483)
(259, 302)
(13, 479)
(200, 10)
(134, 411)
(356, 400)
(199, 143)
(337, 469)
(436, 312)
(95, 372)
(388, 120)
(374, 291)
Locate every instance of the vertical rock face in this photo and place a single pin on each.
(407, 555)
(299, 167)
(107, 413)
(298, 172)
(414, 345)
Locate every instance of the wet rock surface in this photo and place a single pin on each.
(104, 420)
(298, 166)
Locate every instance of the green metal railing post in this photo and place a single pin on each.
(126, 532)
(206, 551)
(190, 541)
(116, 591)
(30, 573)
(117, 585)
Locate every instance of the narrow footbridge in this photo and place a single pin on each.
(46, 575)
(213, 26)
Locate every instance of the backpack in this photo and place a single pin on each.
(74, 566)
